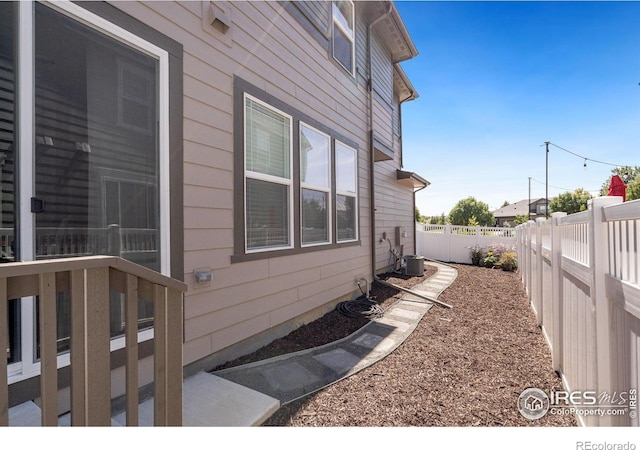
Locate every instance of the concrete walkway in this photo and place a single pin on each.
(289, 377)
(248, 395)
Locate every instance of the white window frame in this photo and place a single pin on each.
(336, 18)
(28, 366)
(314, 187)
(347, 193)
(248, 174)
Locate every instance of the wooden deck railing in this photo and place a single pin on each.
(89, 281)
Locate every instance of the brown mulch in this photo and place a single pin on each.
(464, 366)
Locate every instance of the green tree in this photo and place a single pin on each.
(419, 217)
(465, 209)
(630, 176)
(473, 222)
(570, 202)
(506, 203)
(437, 220)
(521, 218)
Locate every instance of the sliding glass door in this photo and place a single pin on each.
(90, 152)
(8, 14)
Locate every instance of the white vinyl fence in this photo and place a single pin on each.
(582, 275)
(451, 243)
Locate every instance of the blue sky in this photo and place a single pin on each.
(499, 79)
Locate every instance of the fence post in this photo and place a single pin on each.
(520, 234)
(599, 263)
(556, 290)
(447, 233)
(538, 275)
(530, 225)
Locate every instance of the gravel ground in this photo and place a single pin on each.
(460, 367)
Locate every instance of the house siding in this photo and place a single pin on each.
(279, 53)
(394, 202)
(269, 49)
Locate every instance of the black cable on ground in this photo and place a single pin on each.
(361, 307)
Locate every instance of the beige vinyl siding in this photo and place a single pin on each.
(382, 82)
(394, 208)
(270, 50)
(393, 201)
(361, 65)
(382, 71)
(317, 14)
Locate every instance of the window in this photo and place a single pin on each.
(346, 193)
(268, 178)
(343, 33)
(315, 184)
(295, 179)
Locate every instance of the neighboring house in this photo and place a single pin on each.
(506, 216)
(250, 149)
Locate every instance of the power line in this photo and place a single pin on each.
(589, 159)
(561, 188)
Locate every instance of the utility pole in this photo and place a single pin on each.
(546, 187)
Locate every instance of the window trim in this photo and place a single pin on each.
(240, 88)
(289, 182)
(312, 187)
(346, 193)
(349, 34)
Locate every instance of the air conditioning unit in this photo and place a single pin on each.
(414, 265)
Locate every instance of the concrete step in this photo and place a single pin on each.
(211, 401)
(208, 401)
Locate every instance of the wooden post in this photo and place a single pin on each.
(48, 350)
(131, 339)
(78, 348)
(167, 306)
(159, 356)
(174, 360)
(98, 373)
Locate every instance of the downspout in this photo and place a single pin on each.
(372, 184)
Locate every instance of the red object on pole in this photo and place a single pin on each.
(617, 188)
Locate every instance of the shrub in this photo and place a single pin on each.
(508, 261)
(497, 250)
(490, 260)
(476, 252)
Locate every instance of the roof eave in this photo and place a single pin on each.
(411, 179)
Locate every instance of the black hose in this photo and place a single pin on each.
(361, 307)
